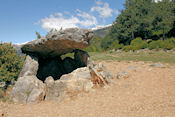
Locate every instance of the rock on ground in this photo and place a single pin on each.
(2, 84)
(158, 65)
(123, 75)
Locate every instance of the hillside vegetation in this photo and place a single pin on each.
(142, 24)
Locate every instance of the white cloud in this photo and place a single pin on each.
(58, 21)
(59, 14)
(103, 9)
(80, 19)
(88, 20)
(157, 0)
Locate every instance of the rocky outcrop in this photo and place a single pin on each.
(46, 76)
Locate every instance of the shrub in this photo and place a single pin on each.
(106, 42)
(116, 45)
(93, 48)
(127, 48)
(155, 45)
(95, 45)
(10, 63)
(166, 44)
(138, 43)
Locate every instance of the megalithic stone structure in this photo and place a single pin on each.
(47, 76)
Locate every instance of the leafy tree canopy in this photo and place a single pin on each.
(10, 63)
(143, 18)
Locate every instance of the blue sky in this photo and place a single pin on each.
(20, 19)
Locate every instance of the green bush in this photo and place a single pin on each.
(10, 63)
(93, 48)
(138, 43)
(116, 45)
(166, 44)
(155, 45)
(95, 45)
(127, 48)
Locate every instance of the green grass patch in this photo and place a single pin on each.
(157, 56)
(67, 55)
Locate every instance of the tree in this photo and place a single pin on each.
(134, 21)
(163, 17)
(143, 18)
(10, 63)
(95, 45)
(38, 35)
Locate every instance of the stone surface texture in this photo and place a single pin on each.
(58, 43)
(68, 85)
(30, 66)
(28, 89)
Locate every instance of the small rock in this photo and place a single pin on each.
(125, 85)
(158, 65)
(2, 84)
(134, 68)
(1, 114)
(150, 69)
(142, 62)
(119, 51)
(123, 75)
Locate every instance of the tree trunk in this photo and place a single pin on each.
(163, 32)
(132, 35)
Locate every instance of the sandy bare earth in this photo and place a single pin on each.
(147, 92)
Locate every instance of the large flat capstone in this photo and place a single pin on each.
(58, 43)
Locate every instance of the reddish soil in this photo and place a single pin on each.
(147, 92)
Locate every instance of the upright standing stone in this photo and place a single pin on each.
(28, 89)
(30, 66)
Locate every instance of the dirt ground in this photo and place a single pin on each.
(147, 92)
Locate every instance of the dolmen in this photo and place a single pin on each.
(47, 74)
